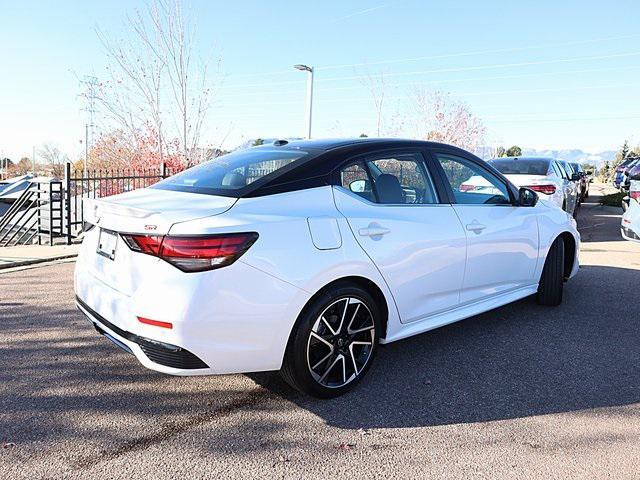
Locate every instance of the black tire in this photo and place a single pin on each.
(297, 365)
(552, 279)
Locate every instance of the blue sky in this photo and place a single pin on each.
(542, 74)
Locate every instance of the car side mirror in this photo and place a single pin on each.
(575, 177)
(358, 186)
(527, 197)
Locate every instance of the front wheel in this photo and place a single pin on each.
(333, 343)
(552, 280)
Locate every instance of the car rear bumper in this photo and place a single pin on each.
(232, 320)
(629, 234)
(160, 353)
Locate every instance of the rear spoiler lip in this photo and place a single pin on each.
(94, 208)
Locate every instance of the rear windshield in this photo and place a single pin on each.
(230, 175)
(520, 166)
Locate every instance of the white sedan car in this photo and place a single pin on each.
(551, 179)
(630, 227)
(304, 256)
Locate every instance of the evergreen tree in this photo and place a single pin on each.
(514, 151)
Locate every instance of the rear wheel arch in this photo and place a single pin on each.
(370, 286)
(569, 251)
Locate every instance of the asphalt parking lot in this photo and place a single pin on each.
(519, 392)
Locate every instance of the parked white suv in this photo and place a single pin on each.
(546, 176)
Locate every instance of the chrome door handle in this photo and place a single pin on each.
(373, 230)
(475, 227)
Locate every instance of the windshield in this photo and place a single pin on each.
(229, 174)
(521, 166)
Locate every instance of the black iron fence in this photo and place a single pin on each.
(80, 184)
(50, 211)
(36, 216)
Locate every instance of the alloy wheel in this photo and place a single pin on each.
(341, 342)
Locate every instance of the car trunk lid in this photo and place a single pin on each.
(145, 211)
(152, 211)
(521, 180)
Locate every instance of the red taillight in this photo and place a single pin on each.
(155, 323)
(546, 189)
(149, 244)
(194, 254)
(635, 195)
(465, 187)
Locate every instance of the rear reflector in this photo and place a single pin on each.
(546, 189)
(155, 323)
(194, 254)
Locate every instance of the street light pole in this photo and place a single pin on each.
(86, 148)
(309, 70)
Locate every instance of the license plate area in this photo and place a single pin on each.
(107, 242)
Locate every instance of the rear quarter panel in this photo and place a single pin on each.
(285, 248)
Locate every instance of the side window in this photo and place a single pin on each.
(472, 184)
(398, 179)
(354, 177)
(402, 179)
(556, 169)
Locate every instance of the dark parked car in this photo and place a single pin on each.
(621, 169)
(631, 170)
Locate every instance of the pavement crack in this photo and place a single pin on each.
(252, 398)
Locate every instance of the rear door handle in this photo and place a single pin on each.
(475, 227)
(373, 230)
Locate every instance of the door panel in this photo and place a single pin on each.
(419, 249)
(502, 239)
(501, 256)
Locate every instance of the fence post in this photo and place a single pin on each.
(164, 170)
(39, 203)
(66, 199)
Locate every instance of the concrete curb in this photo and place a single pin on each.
(35, 261)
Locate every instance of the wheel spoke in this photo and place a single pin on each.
(353, 359)
(360, 330)
(322, 360)
(318, 337)
(333, 332)
(344, 314)
(330, 367)
(353, 317)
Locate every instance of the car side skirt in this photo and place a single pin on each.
(461, 312)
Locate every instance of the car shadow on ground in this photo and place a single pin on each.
(61, 381)
(516, 361)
